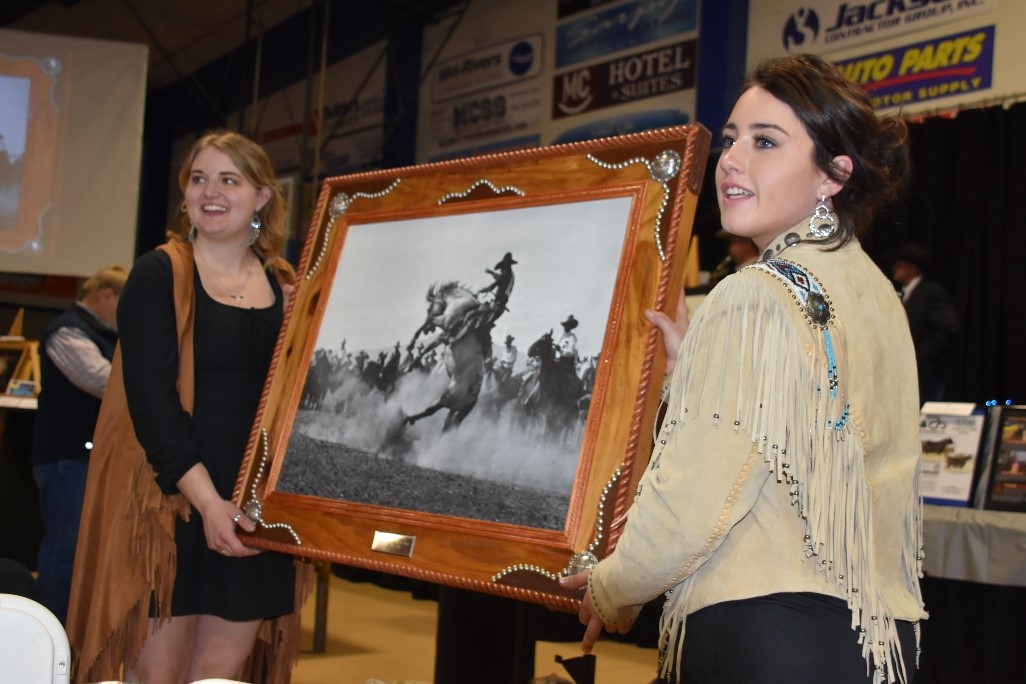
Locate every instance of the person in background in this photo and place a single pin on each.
(931, 318)
(780, 511)
(504, 366)
(76, 349)
(741, 251)
(567, 342)
(199, 319)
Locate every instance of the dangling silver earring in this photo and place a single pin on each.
(823, 222)
(192, 234)
(254, 228)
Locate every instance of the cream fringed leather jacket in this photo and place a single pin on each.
(788, 457)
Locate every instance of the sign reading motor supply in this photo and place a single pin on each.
(635, 77)
(957, 64)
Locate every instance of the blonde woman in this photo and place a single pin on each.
(198, 319)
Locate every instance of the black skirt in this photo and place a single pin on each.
(791, 638)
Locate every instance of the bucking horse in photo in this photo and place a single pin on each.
(463, 325)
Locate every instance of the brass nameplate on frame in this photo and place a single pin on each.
(395, 544)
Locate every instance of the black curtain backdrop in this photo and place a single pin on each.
(965, 206)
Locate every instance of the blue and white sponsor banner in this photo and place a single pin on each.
(485, 85)
(639, 76)
(821, 26)
(497, 65)
(622, 27)
(488, 117)
(954, 65)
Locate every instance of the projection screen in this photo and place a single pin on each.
(71, 115)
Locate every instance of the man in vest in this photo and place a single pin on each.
(76, 350)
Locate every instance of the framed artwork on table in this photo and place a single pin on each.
(1006, 482)
(465, 386)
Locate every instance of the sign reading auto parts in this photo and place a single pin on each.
(947, 66)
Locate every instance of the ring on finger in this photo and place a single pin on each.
(237, 518)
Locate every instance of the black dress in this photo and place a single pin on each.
(232, 350)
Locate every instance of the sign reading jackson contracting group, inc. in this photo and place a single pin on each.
(933, 68)
(822, 26)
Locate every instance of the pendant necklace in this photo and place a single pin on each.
(238, 297)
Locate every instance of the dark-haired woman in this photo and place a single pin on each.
(780, 512)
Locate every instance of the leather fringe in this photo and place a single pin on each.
(803, 432)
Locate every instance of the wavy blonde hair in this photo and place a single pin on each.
(255, 165)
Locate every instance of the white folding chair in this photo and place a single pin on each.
(33, 645)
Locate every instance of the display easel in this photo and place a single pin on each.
(23, 382)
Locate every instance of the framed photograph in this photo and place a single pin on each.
(465, 386)
(1006, 483)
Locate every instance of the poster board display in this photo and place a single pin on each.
(951, 455)
(425, 415)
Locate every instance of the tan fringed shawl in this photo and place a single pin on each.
(126, 548)
(783, 414)
(794, 405)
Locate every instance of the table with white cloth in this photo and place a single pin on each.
(975, 592)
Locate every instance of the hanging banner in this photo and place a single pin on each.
(821, 26)
(489, 117)
(497, 65)
(958, 64)
(623, 27)
(656, 71)
(483, 100)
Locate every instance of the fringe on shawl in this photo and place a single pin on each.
(802, 432)
(154, 545)
(147, 518)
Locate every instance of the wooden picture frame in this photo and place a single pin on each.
(430, 268)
